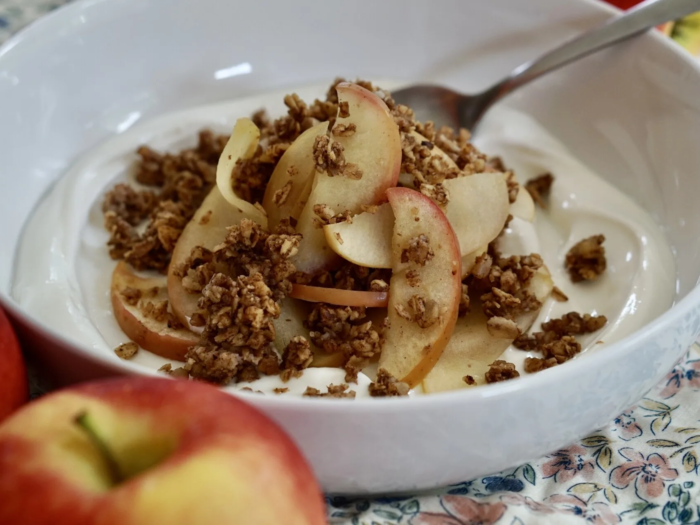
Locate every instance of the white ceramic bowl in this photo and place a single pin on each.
(633, 114)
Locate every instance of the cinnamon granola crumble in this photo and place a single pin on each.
(387, 385)
(501, 371)
(539, 188)
(586, 261)
(339, 391)
(126, 350)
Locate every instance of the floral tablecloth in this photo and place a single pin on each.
(642, 469)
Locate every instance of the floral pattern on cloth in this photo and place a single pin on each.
(642, 469)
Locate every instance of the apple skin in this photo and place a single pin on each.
(149, 334)
(316, 294)
(14, 389)
(197, 455)
(409, 351)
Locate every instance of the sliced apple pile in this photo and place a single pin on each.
(472, 349)
(150, 334)
(240, 146)
(425, 289)
(291, 181)
(207, 228)
(374, 148)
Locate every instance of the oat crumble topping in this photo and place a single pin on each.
(501, 371)
(296, 358)
(387, 385)
(586, 259)
(539, 188)
(418, 251)
(469, 380)
(127, 350)
(339, 391)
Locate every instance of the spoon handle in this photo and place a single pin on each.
(644, 16)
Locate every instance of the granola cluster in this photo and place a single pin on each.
(503, 283)
(348, 276)
(247, 249)
(556, 341)
(339, 391)
(180, 182)
(586, 259)
(236, 343)
(348, 331)
(539, 188)
(387, 385)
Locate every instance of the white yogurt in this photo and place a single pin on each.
(63, 270)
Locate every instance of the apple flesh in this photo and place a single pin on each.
(189, 453)
(477, 209)
(150, 334)
(524, 206)
(472, 348)
(375, 149)
(14, 390)
(410, 351)
(241, 145)
(296, 168)
(366, 241)
(207, 228)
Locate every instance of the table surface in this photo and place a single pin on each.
(641, 469)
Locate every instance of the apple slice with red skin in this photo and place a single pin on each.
(188, 453)
(318, 294)
(472, 348)
(410, 351)
(14, 390)
(207, 228)
(241, 145)
(150, 334)
(296, 168)
(375, 149)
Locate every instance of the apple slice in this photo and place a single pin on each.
(477, 209)
(472, 348)
(207, 228)
(242, 145)
(366, 241)
(150, 334)
(524, 206)
(290, 323)
(317, 294)
(413, 345)
(295, 170)
(375, 150)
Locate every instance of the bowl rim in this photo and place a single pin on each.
(545, 378)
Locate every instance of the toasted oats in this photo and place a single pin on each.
(586, 261)
(387, 385)
(126, 350)
(501, 371)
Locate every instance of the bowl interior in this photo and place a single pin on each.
(73, 80)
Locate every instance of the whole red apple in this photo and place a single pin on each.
(13, 375)
(134, 450)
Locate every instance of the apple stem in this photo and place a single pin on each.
(115, 474)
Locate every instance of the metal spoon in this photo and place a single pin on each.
(445, 106)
